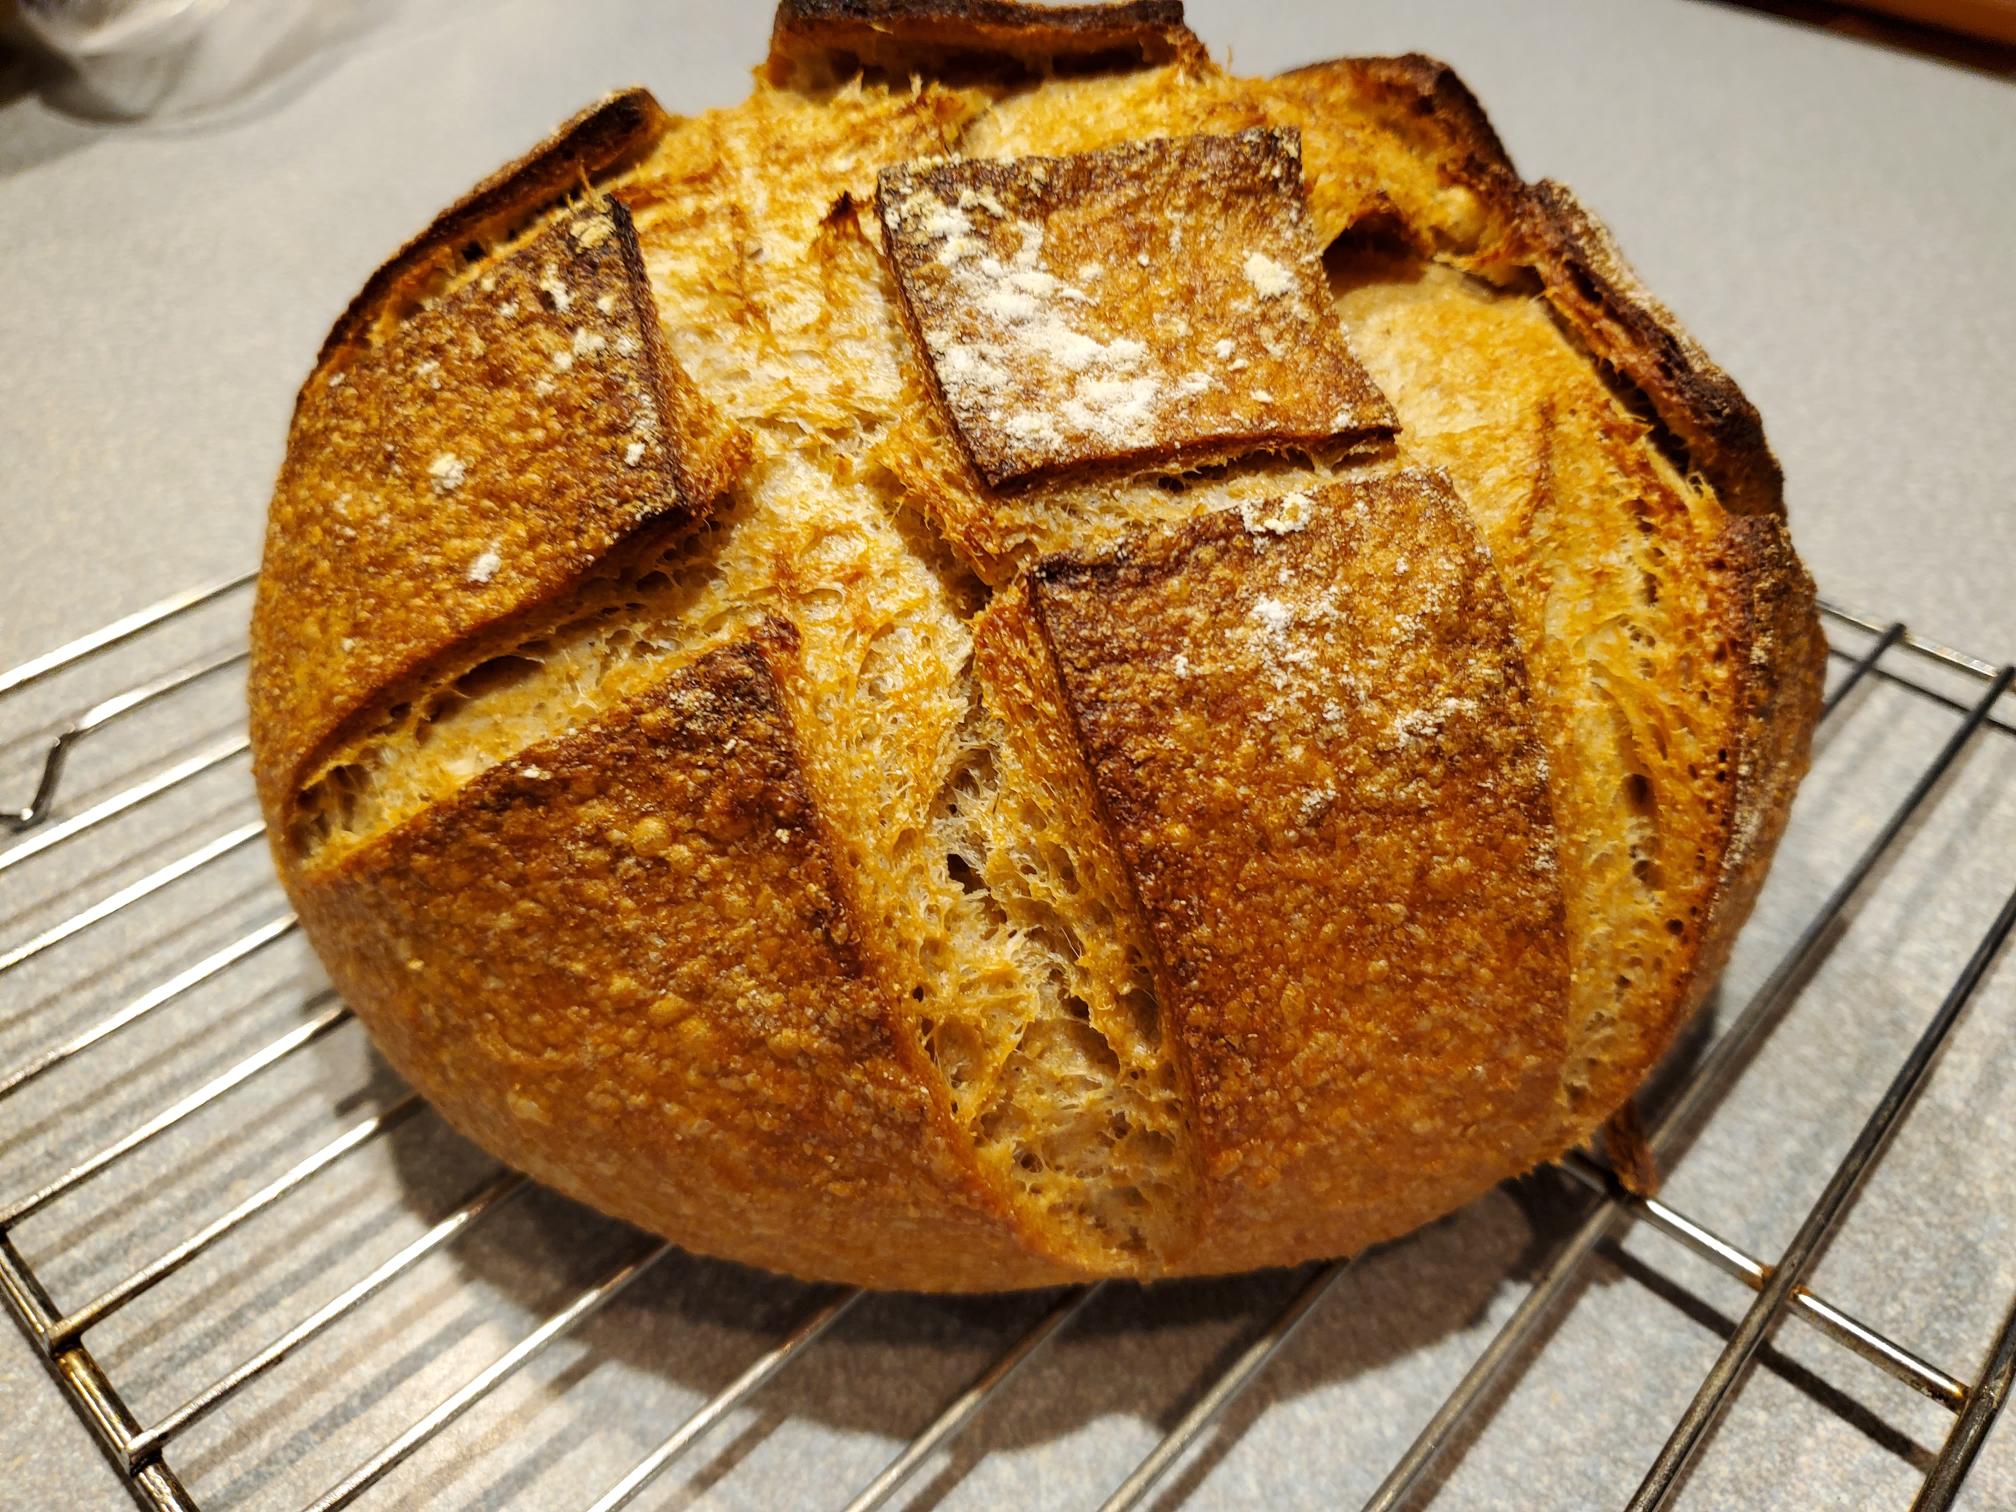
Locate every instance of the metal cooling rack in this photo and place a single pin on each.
(1876, 651)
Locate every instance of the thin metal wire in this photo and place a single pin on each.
(1218, 1396)
(807, 1332)
(67, 1330)
(149, 788)
(294, 1039)
(1984, 1401)
(1850, 1332)
(1862, 667)
(140, 1449)
(212, 965)
(961, 1410)
(133, 892)
(97, 717)
(486, 1380)
(485, 1200)
(1720, 1385)
(84, 1381)
(122, 629)
(1705, 1081)
(1931, 649)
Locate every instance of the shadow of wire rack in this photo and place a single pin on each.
(1865, 653)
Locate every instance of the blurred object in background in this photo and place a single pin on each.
(1993, 19)
(1977, 34)
(173, 59)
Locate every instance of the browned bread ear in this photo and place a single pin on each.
(978, 37)
(454, 468)
(1153, 303)
(1544, 229)
(614, 132)
(1589, 281)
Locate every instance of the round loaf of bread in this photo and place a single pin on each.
(1021, 659)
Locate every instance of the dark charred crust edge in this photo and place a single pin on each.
(611, 134)
(1544, 227)
(1431, 93)
(978, 37)
(1589, 281)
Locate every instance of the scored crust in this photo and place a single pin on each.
(684, 979)
(615, 131)
(1074, 982)
(1475, 205)
(1066, 320)
(1473, 211)
(1623, 324)
(466, 464)
(1308, 729)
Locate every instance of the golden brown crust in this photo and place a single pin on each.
(1250, 908)
(1543, 227)
(1308, 728)
(467, 466)
(616, 130)
(1764, 617)
(1781, 671)
(1373, 125)
(974, 36)
(689, 1035)
(1155, 303)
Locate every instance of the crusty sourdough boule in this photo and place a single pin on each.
(1021, 659)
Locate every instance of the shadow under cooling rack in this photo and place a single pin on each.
(313, 1227)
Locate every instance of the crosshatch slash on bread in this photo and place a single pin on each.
(681, 816)
(1159, 302)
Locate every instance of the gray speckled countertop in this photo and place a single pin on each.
(1832, 220)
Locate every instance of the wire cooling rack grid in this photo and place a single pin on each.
(175, 663)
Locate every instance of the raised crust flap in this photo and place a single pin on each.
(1308, 728)
(1448, 185)
(1590, 282)
(463, 465)
(840, 37)
(614, 132)
(1159, 302)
